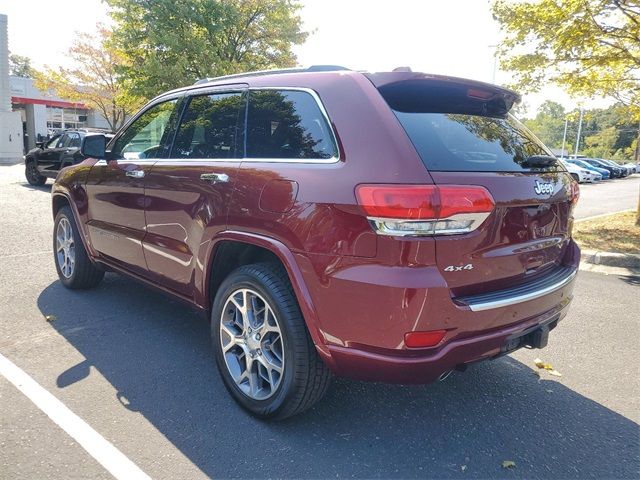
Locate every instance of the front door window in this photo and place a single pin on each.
(146, 137)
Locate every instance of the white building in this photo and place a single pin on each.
(11, 137)
(44, 115)
(28, 115)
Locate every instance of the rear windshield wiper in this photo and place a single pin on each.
(540, 161)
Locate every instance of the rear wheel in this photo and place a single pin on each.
(33, 175)
(75, 269)
(262, 347)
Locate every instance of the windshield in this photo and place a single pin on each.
(463, 142)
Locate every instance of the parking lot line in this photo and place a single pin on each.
(112, 459)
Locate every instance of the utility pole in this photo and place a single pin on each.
(579, 132)
(564, 137)
(495, 62)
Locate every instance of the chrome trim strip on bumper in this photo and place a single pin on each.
(478, 303)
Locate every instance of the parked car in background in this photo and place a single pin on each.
(582, 164)
(51, 156)
(580, 174)
(615, 171)
(634, 167)
(387, 227)
(624, 170)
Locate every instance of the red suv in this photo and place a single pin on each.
(389, 226)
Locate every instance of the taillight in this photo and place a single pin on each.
(402, 210)
(574, 192)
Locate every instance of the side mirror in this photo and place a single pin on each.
(94, 146)
(41, 144)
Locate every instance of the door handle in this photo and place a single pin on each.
(215, 177)
(135, 173)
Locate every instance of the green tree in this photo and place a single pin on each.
(20, 66)
(548, 124)
(93, 80)
(589, 47)
(172, 43)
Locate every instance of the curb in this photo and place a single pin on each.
(626, 260)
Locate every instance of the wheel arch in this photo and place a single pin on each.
(60, 198)
(233, 249)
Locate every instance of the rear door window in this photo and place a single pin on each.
(287, 124)
(211, 127)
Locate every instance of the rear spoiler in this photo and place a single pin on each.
(421, 92)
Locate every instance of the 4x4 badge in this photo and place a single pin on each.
(459, 268)
(543, 188)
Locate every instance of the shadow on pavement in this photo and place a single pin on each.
(42, 188)
(156, 353)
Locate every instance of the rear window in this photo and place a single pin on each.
(461, 143)
(462, 127)
(287, 124)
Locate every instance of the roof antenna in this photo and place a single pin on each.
(402, 69)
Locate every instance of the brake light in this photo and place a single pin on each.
(424, 209)
(424, 339)
(479, 93)
(574, 192)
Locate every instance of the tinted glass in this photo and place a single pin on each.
(146, 136)
(53, 143)
(74, 140)
(461, 143)
(211, 127)
(287, 124)
(65, 141)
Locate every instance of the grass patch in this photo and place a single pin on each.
(616, 233)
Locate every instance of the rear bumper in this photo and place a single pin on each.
(365, 310)
(364, 365)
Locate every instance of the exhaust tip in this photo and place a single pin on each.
(445, 375)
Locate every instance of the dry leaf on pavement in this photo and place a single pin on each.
(508, 464)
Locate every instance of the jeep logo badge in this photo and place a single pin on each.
(543, 188)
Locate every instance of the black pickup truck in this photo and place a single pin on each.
(49, 157)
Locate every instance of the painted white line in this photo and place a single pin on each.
(112, 459)
(578, 220)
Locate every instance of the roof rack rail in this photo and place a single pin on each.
(313, 68)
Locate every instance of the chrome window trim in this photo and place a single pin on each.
(238, 88)
(525, 297)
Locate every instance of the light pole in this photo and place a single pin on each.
(495, 62)
(575, 154)
(564, 136)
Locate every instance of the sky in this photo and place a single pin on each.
(452, 37)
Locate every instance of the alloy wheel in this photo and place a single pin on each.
(32, 173)
(65, 247)
(252, 344)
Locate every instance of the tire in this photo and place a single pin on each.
(304, 378)
(576, 177)
(33, 176)
(81, 273)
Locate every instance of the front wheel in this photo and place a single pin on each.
(263, 350)
(33, 175)
(75, 268)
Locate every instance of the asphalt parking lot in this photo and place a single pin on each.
(137, 368)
